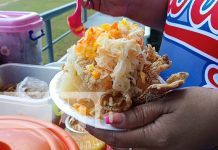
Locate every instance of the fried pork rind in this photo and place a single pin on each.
(156, 91)
(151, 70)
(115, 101)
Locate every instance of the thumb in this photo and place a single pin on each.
(136, 117)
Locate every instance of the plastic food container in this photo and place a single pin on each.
(12, 105)
(24, 133)
(20, 37)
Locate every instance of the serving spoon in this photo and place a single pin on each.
(75, 21)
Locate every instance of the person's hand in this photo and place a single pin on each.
(148, 12)
(110, 7)
(182, 120)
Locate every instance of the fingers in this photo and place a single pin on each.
(137, 117)
(93, 4)
(146, 137)
(88, 4)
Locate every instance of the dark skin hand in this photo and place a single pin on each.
(148, 12)
(183, 120)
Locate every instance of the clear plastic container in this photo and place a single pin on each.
(12, 105)
(20, 37)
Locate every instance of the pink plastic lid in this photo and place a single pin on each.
(24, 133)
(18, 21)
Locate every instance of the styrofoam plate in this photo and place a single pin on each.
(69, 110)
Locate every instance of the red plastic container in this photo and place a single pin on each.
(24, 133)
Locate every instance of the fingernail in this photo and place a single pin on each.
(114, 118)
(108, 118)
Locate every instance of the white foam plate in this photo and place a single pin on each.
(69, 110)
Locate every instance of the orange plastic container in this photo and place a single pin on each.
(24, 133)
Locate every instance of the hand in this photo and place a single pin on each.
(148, 12)
(183, 120)
(110, 7)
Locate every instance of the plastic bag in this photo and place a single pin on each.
(32, 88)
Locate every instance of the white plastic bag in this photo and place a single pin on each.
(32, 88)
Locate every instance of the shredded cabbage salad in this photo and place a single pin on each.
(107, 57)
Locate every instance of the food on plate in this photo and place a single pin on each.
(85, 106)
(112, 59)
